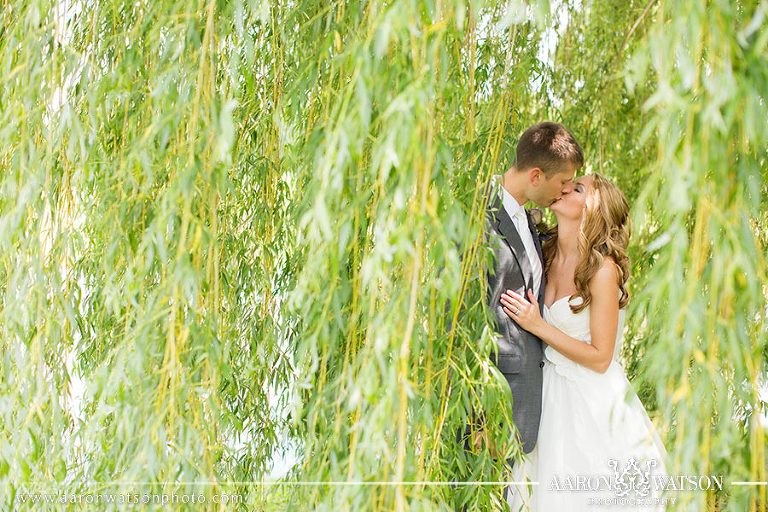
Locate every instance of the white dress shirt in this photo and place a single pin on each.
(516, 212)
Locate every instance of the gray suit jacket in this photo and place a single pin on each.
(520, 353)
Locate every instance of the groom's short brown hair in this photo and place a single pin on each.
(548, 146)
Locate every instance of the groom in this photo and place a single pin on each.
(546, 159)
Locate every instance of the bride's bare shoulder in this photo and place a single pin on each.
(606, 279)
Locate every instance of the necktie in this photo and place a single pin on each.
(521, 220)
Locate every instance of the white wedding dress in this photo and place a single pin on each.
(588, 420)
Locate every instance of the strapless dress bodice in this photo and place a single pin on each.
(575, 325)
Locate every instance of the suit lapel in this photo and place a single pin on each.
(507, 228)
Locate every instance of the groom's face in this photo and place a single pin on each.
(551, 188)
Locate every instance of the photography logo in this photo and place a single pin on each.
(631, 480)
(635, 479)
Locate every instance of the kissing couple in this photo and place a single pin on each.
(559, 303)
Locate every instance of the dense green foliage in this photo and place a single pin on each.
(224, 225)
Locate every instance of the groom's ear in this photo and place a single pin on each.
(535, 175)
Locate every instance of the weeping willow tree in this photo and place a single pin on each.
(227, 226)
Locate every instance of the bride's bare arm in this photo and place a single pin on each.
(603, 321)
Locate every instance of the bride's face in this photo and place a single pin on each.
(571, 206)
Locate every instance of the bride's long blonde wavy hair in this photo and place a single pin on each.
(604, 231)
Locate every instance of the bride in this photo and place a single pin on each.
(596, 446)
